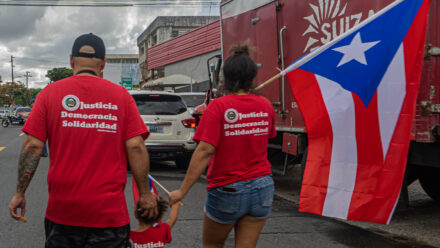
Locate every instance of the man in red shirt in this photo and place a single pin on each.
(92, 127)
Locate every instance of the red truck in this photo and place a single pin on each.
(281, 31)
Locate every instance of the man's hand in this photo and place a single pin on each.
(27, 165)
(148, 204)
(175, 196)
(18, 201)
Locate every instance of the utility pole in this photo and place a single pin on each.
(12, 68)
(12, 84)
(27, 75)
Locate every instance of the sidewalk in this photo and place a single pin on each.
(419, 222)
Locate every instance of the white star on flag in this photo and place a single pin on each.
(355, 51)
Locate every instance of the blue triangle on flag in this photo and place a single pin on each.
(359, 61)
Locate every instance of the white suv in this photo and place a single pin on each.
(171, 126)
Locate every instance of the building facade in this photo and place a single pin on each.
(162, 29)
(120, 66)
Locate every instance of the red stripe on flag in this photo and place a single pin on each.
(306, 91)
(369, 158)
(135, 191)
(395, 163)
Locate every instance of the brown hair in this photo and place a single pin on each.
(162, 207)
(239, 69)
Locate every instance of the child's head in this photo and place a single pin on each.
(162, 207)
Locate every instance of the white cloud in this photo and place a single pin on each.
(41, 38)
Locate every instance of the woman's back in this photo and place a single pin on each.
(239, 126)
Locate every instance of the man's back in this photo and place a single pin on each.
(87, 121)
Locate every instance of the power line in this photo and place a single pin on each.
(150, 3)
(43, 60)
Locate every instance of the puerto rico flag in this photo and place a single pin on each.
(357, 96)
(136, 190)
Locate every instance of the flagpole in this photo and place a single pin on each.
(161, 186)
(269, 81)
(158, 184)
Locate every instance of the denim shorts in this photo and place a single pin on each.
(227, 204)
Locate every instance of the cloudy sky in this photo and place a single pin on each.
(41, 38)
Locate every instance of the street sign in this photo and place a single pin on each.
(127, 83)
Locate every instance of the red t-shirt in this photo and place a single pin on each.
(155, 236)
(239, 126)
(86, 121)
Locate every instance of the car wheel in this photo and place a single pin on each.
(182, 162)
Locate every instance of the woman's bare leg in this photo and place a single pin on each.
(247, 232)
(215, 234)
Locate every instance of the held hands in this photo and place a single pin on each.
(18, 201)
(148, 204)
(176, 196)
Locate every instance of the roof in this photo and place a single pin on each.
(199, 41)
(175, 21)
(170, 81)
(122, 56)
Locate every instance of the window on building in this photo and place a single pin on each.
(160, 72)
(141, 50)
(153, 40)
(174, 33)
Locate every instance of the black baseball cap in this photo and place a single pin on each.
(91, 40)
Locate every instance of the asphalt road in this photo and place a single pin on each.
(285, 228)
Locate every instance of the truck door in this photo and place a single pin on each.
(254, 21)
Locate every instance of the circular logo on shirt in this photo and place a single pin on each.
(70, 102)
(231, 115)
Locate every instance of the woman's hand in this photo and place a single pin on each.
(175, 196)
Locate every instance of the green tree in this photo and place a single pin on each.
(21, 95)
(58, 73)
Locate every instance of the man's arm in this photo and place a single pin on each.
(199, 161)
(27, 165)
(140, 166)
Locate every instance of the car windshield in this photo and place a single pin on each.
(23, 110)
(193, 100)
(156, 104)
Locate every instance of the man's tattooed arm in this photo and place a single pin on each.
(27, 165)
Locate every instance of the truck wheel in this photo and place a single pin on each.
(430, 183)
(182, 162)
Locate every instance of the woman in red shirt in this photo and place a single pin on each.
(233, 136)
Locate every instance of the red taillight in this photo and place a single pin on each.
(190, 123)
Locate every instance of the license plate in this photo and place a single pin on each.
(155, 128)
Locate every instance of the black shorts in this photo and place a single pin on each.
(62, 236)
